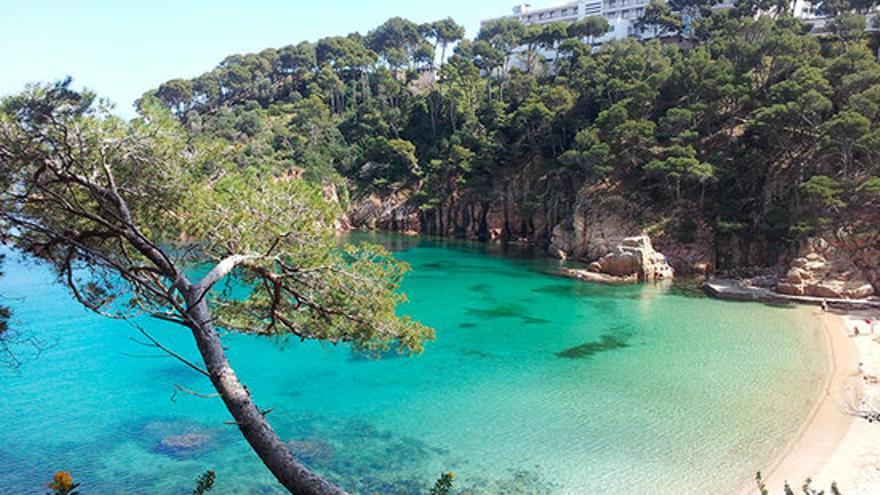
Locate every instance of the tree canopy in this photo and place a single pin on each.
(752, 101)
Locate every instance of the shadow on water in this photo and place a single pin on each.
(457, 268)
(507, 310)
(570, 290)
(607, 342)
(687, 287)
(589, 290)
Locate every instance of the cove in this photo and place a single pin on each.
(535, 384)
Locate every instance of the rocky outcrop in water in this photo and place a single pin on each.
(634, 256)
(393, 211)
(633, 260)
(600, 221)
(835, 269)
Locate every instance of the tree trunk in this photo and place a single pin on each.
(252, 423)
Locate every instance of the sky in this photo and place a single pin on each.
(122, 48)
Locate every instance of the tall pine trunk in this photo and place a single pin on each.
(252, 422)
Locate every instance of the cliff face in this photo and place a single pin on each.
(591, 224)
(394, 211)
(506, 211)
(841, 265)
(601, 220)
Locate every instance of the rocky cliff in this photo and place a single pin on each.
(595, 224)
(836, 266)
(634, 256)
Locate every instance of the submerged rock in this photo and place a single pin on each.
(178, 438)
(186, 441)
(313, 452)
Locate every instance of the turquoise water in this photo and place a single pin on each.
(535, 385)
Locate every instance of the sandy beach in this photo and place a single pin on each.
(833, 446)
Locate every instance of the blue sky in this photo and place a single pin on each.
(121, 48)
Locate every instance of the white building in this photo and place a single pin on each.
(620, 14)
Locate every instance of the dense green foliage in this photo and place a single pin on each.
(771, 130)
(96, 197)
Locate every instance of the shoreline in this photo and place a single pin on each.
(832, 446)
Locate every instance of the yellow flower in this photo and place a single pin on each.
(62, 481)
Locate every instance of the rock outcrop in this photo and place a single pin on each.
(634, 256)
(601, 220)
(331, 193)
(826, 270)
(633, 260)
(393, 211)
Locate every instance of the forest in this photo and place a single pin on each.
(748, 128)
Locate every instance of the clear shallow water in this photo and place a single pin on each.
(535, 385)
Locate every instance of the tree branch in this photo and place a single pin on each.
(158, 345)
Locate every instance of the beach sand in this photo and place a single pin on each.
(832, 445)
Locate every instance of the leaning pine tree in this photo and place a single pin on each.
(125, 211)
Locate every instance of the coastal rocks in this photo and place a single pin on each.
(600, 278)
(601, 221)
(634, 257)
(633, 260)
(331, 194)
(393, 211)
(825, 270)
(689, 244)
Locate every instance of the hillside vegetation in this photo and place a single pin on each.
(750, 134)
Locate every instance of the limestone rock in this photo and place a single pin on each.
(331, 194)
(601, 220)
(634, 256)
(393, 211)
(826, 270)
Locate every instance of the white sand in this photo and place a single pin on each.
(833, 445)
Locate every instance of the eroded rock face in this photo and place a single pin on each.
(392, 211)
(331, 194)
(600, 222)
(634, 257)
(691, 254)
(826, 270)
